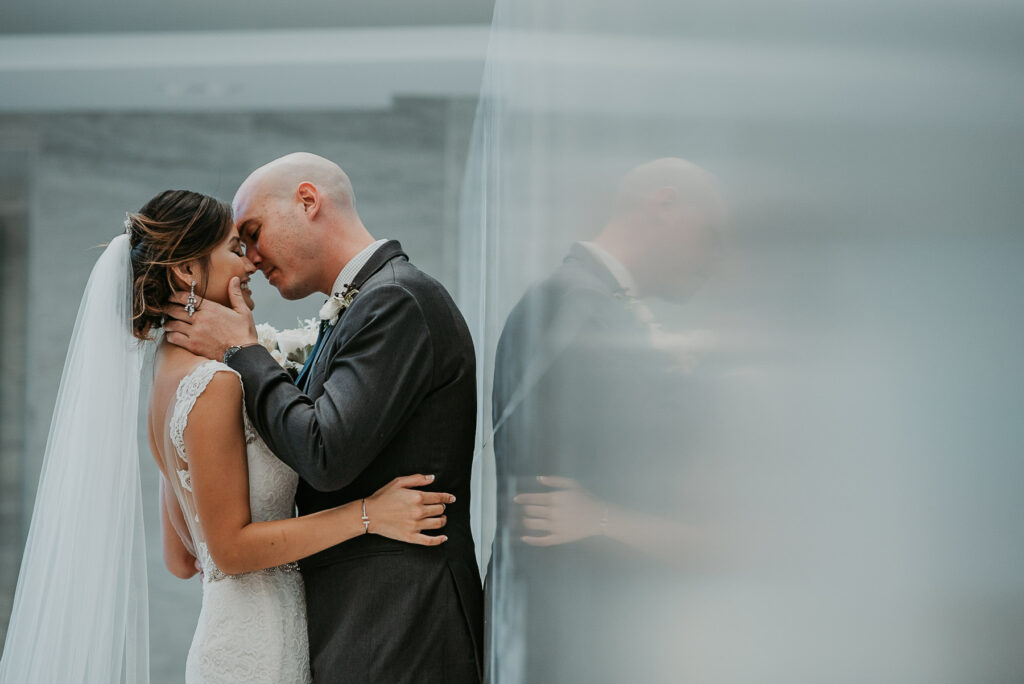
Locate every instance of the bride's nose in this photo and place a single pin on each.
(250, 267)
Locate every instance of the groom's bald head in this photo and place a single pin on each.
(668, 226)
(297, 218)
(283, 176)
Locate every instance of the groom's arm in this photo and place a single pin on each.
(381, 370)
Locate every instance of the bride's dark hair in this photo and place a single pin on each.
(175, 227)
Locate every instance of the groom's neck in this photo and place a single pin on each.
(342, 246)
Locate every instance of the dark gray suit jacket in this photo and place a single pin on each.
(392, 392)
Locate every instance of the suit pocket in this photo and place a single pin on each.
(470, 604)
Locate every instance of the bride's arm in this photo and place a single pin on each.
(215, 441)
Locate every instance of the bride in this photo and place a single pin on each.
(80, 609)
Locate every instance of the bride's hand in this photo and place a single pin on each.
(566, 514)
(398, 511)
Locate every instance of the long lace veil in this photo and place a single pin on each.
(81, 607)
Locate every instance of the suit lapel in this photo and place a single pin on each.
(388, 251)
(391, 249)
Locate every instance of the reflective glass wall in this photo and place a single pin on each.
(745, 280)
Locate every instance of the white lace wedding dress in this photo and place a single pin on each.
(252, 628)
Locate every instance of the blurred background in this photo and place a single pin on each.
(744, 280)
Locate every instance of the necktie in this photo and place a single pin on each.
(300, 381)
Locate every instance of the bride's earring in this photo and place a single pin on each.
(190, 304)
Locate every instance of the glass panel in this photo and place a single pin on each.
(745, 280)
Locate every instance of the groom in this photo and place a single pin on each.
(390, 390)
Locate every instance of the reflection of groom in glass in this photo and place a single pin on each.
(589, 408)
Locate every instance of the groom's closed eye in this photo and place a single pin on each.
(247, 229)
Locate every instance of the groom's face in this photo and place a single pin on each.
(276, 241)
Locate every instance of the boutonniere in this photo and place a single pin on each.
(338, 302)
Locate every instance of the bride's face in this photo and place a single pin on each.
(227, 261)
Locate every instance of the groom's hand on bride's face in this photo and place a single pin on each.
(212, 328)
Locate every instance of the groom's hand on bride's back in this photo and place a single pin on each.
(213, 327)
(399, 511)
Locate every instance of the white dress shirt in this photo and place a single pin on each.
(352, 268)
(614, 266)
(628, 284)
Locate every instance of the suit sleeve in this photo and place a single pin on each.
(381, 368)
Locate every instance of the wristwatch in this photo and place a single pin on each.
(231, 351)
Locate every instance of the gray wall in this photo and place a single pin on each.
(13, 277)
(67, 181)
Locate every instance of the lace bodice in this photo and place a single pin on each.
(271, 483)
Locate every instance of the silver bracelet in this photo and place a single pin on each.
(365, 519)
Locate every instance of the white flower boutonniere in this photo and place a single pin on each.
(338, 302)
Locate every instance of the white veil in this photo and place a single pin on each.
(81, 607)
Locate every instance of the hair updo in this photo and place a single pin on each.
(173, 228)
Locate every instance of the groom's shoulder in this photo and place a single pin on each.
(400, 275)
(399, 286)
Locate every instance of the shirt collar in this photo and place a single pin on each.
(354, 265)
(614, 266)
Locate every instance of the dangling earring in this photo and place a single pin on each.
(190, 304)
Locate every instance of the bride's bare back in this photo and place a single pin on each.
(170, 365)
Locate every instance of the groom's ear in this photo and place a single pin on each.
(309, 196)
